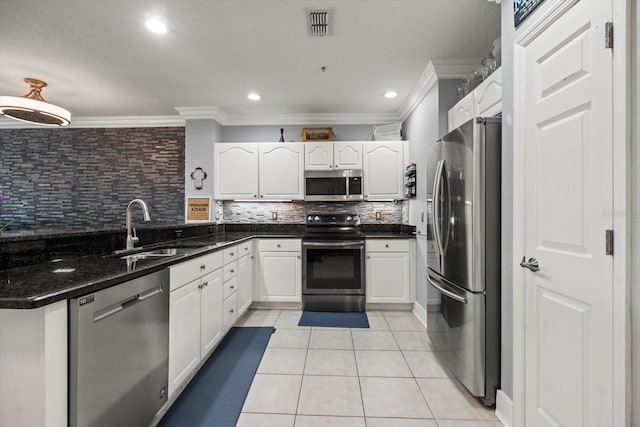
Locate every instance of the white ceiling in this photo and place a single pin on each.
(101, 61)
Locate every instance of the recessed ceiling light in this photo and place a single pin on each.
(156, 26)
(390, 94)
(253, 96)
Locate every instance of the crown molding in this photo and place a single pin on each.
(310, 119)
(105, 122)
(199, 113)
(434, 71)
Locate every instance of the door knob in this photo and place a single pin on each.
(532, 264)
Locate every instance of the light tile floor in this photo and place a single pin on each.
(385, 376)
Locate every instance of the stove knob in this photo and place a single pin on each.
(317, 218)
(349, 218)
(309, 218)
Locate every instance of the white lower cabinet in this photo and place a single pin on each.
(230, 311)
(280, 270)
(195, 315)
(388, 271)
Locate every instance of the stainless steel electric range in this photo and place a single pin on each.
(333, 273)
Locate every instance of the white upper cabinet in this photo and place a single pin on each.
(484, 101)
(235, 171)
(383, 170)
(347, 155)
(333, 156)
(281, 171)
(487, 97)
(462, 112)
(318, 156)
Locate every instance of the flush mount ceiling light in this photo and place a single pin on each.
(156, 26)
(390, 94)
(32, 108)
(253, 96)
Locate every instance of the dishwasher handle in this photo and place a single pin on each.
(112, 309)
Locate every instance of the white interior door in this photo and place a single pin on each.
(566, 74)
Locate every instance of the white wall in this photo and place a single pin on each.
(506, 355)
(426, 124)
(635, 217)
(199, 138)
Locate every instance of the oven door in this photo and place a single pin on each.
(333, 267)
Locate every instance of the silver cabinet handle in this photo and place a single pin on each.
(205, 284)
(255, 195)
(231, 254)
(532, 264)
(386, 246)
(231, 271)
(202, 267)
(232, 287)
(278, 245)
(231, 311)
(298, 256)
(368, 256)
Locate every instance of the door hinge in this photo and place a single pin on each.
(609, 242)
(608, 35)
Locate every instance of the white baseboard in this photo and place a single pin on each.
(504, 409)
(420, 313)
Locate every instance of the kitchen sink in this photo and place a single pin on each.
(156, 253)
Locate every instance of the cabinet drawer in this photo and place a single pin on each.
(387, 245)
(245, 248)
(229, 311)
(231, 254)
(230, 270)
(230, 286)
(188, 271)
(275, 245)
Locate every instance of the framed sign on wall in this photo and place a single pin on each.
(522, 9)
(198, 209)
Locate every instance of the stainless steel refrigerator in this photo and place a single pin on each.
(465, 231)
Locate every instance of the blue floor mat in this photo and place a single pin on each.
(334, 319)
(215, 396)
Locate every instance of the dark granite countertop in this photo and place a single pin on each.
(70, 276)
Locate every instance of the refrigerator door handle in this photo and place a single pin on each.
(447, 292)
(436, 206)
(444, 182)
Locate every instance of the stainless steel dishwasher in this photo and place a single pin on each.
(119, 352)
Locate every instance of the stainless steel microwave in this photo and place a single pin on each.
(340, 185)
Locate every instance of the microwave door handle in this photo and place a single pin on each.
(436, 207)
(447, 292)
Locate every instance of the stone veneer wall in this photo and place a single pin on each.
(295, 212)
(77, 179)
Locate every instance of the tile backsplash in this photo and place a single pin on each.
(295, 212)
(83, 179)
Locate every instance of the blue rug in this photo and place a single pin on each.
(334, 319)
(215, 396)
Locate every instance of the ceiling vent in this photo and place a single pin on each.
(319, 22)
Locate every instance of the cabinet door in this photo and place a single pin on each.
(487, 97)
(462, 112)
(318, 156)
(280, 276)
(235, 171)
(347, 155)
(383, 170)
(388, 277)
(184, 333)
(281, 171)
(211, 311)
(245, 283)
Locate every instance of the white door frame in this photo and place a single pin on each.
(622, 18)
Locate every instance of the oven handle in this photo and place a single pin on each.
(447, 292)
(334, 244)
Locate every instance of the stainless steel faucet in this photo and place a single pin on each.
(132, 238)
